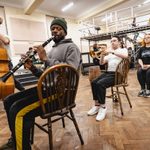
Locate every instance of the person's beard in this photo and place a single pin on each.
(57, 39)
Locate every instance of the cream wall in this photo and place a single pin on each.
(73, 31)
(18, 47)
(22, 46)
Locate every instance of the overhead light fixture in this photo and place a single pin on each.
(147, 1)
(68, 6)
(140, 5)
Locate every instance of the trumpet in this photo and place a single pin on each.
(97, 54)
(23, 61)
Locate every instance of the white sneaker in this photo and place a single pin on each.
(147, 93)
(94, 110)
(101, 114)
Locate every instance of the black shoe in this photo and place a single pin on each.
(8, 146)
(141, 93)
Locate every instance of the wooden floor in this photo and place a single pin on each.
(130, 132)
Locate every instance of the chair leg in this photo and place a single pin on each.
(76, 126)
(114, 96)
(127, 96)
(112, 93)
(119, 99)
(32, 135)
(50, 136)
(63, 122)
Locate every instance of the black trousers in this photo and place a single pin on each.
(21, 109)
(144, 78)
(100, 84)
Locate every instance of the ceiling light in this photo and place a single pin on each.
(147, 1)
(139, 5)
(67, 6)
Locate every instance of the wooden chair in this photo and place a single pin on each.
(121, 77)
(57, 88)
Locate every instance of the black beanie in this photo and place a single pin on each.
(61, 22)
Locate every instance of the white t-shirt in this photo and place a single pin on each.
(114, 60)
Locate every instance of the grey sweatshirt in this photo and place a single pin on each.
(63, 52)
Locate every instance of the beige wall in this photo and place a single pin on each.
(21, 46)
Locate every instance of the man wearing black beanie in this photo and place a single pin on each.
(60, 21)
(25, 109)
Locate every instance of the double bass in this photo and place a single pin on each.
(7, 87)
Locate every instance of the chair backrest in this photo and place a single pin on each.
(57, 88)
(121, 74)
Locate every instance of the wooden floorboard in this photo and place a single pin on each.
(116, 132)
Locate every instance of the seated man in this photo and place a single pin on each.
(106, 79)
(22, 107)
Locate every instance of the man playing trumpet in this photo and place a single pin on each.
(107, 79)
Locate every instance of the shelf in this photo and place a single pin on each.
(106, 36)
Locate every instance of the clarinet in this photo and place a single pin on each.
(23, 61)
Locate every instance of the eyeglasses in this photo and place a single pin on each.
(113, 41)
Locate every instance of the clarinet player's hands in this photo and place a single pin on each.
(28, 64)
(41, 52)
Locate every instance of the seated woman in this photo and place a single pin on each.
(106, 79)
(143, 73)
